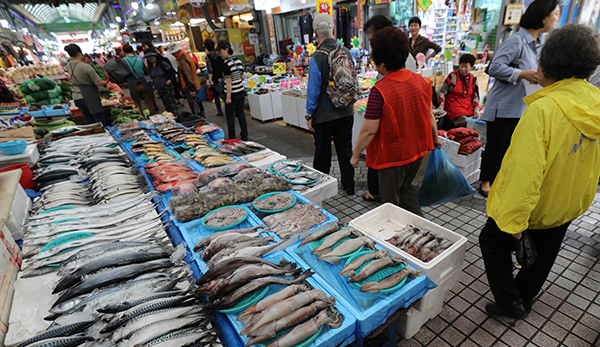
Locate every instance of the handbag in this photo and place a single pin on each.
(525, 249)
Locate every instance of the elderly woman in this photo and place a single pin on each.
(164, 78)
(418, 43)
(85, 86)
(513, 67)
(399, 107)
(459, 95)
(550, 173)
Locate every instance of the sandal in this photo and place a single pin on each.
(367, 196)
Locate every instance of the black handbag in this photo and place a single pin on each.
(526, 252)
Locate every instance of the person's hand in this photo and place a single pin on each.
(354, 161)
(228, 101)
(530, 76)
(441, 107)
(309, 125)
(437, 142)
(210, 83)
(517, 236)
(169, 82)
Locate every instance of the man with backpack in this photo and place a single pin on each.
(332, 91)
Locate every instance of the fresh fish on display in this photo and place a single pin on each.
(63, 331)
(375, 266)
(390, 281)
(350, 269)
(258, 156)
(225, 241)
(321, 234)
(228, 266)
(207, 240)
(246, 251)
(419, 243)
(346, 248)
(309, 328)
(298, 219)
(334, 238)
(302, 177)
(283, 294)
(231, 251)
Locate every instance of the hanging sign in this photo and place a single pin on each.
(513, 14)
(253, 38)
(279, 68)
(28, 39)
(262, 79)
(274, 49)
(165, 24)
(237, 5)
(197, 3)
(325, 6)
(75, 26)
(183, 16)
(168, 5)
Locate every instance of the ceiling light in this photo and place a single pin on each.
(4, 23)
(156, 22)
(25, 30)
(222, 19)
(134, 5)
(134, 13)
(150, 6)
(118, 19)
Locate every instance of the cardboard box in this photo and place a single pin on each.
(25, 134)
(10, 265)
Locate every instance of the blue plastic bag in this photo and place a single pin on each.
(442, 182)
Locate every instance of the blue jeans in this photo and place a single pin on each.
(216, 97)
(90, 118)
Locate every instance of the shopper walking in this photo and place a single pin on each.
(85, 86)
(459, 95)
(549, 175)
(399, 128)
(215, 66)
(164, 78)
(234, 91)
(188, 79)
(418, 43)
(374, 24)
(514, 67)
(323, 118)
(138, 86)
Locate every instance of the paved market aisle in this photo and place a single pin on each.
(566, 313)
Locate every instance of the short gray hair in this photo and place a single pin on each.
(326, 32)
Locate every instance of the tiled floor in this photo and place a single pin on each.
(566, 313)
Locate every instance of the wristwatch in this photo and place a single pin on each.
(307, 117)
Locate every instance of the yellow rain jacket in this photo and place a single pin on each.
(549, 175)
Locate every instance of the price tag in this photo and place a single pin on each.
(262, 79)
(252, 83)
(279, 68)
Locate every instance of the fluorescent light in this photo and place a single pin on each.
(150, 6)
(118, 19)
(25, 30)
(4, 23)
(134, 5)
(268, 10)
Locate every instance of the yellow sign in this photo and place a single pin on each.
(279, 68)
(165, 24)
(183, 16)
(252, 84)
(325, 6)
(181, 2)
(262, 79)
(168, 5)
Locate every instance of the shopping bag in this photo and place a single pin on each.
(525, 250)
(442, 182)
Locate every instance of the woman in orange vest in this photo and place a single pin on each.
(459, 95)
(399, 128)
(188, 79)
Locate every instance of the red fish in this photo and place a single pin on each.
(163, 188)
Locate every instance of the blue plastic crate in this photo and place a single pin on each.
(341, 336)
(370, 310)
(49, 111)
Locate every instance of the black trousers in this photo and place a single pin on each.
(373, 182)
(340, 131)
(194, 101)
(499, 133)
(395, 186)
(233, 111)
(496, 247)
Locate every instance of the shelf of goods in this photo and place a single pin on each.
(289, 246)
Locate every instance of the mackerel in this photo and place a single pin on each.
(63, 341)
(57, 332)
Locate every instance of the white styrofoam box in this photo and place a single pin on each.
(29, 156)
(428, 307)
(266, 162)
(260, 106)
(479, 126)
(301, 109)
(323, 191)
(18, 213)
(289, 109)
(381, 223)
(469, 169)
(450, 148)
(276, 104)
(474, 177)
(464, 160)
(10, 264)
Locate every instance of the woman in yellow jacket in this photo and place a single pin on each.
(550, 173)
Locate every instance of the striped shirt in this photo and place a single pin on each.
(233, 70)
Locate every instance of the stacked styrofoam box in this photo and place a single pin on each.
(18, 213)
(260, 106)
(381, 223)
(327, 189)
(301, 109)
(289, 109)
(469, 165)
(29, 156)
(276, 104)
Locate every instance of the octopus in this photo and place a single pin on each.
(225, 216)
(295, 220)
(274, 202)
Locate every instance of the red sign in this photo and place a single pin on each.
(73, 40)
(28, 39)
